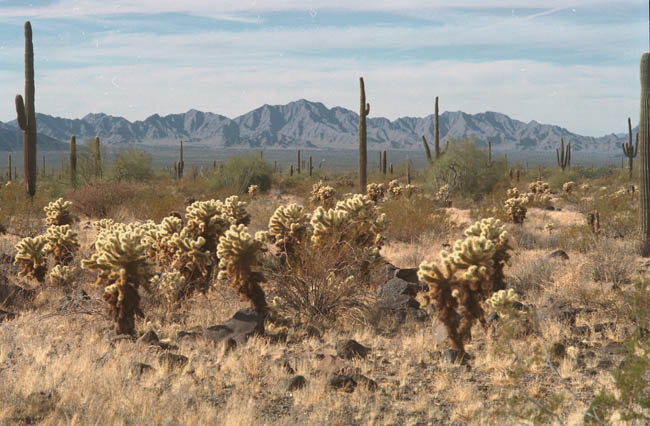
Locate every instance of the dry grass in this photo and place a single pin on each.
(64, 366)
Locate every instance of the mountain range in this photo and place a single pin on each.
(303, 124)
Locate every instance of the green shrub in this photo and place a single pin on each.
(242, 171)
(464, 167)
(131, 164)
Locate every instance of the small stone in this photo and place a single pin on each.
(599, 328)
(604, 364)
(549, 208)
(137, 369)
(171, 361)
(582, 330)
(348, 349)
(365, 382)
(558, 350)
(296, 382)
(408, 274)
(150, 337)
(493, 317)
(558, 254)
(342, 382)
(452, 356)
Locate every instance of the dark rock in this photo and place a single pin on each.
(453, 357)
(582, 330)
(558, 350)
(229, 345)
(170, 361)
(365, 382)
(519, 306)
(6, 316)
(397, 287)
(348, 349)
(296, 382)
(150, 337)
(558, 254)
(284, 364)
(408, 274)
(387, 271)
(599, 328)
(329, 365)
(187, 334)
(137, 369)
(493, 317)
(244, 324)
(313, 332)
(604, 364)
(549, 208)
(342, 382)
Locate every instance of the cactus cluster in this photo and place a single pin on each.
(539, 192)
(444, 195)
(376, 191)
(568, 187)
(501, 301)
(465, 277)
(61, 243)
(322, 194)
(238, 256)
(58, 213)
(120, 257)
(516, 208)
(62, 276)
(31, 257)
(253, 190)
(288, 227)
(169, 285)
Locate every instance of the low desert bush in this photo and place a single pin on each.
(131, 164)
(242, 171)
(413, 217)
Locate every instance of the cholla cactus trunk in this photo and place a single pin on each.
(629, 149)
(436, 139)
(298, 162)
(73, 161)
(123, 310)
(26, 115)
(644, 140)
(363, 159)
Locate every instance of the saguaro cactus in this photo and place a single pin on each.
(630, 150)
(26, 115)
(311, 167)
(644, 140)
(73, 161)
(427, 151)
(298, 161)
(383, 163)
(97, 157)
(9, 166)
(436, 139)
(181, 163)
(563, 155)
(363, 159)
(489, 162)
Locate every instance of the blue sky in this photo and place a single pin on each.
(573, 62)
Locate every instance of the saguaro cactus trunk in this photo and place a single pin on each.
(383, 163)
(630, 150)
(26, 115)
(98, 157)
(563, 155)
(298, 161)
(427, 151)
(436, 136)
(363, 158)
(9, 166)
(73, 161)
(181, 163)
(644, 140)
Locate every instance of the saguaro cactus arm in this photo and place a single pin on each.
(427, 151)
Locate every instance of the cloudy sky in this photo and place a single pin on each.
(572, 63)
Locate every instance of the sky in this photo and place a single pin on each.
(573, 63)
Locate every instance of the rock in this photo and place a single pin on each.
(558, 254)
(453, 357)
(599, 328)
(6, 316)
(342, 382)
(188, 334)
(229, 345)
(396, 299)
(493, 317)
(244, 324)
(365, 382)
(137, 369)
(313, 332)
(582, 330)
(11, 295)
(387, 271)
(558, 351)
(150, 337)
(329, 365)
(408, 274)
(348, 349)
(171, 362)
(296, 382)
(604, 364)
(549, 208)
(397, 287)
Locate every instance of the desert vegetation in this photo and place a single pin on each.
(470, 292)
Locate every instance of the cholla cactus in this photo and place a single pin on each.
(568, 187)
(190, 256)
(288, 227)
(160, 249)
(395, 189)
(170, 285)
(516, 208)
(409, 190)
(513, 193)
(493, 230)
(365, 222)
(208, 220)
(62, 276)
(236, 212)
(376, 191)
(253, 190)
(501, 301)
(539, 192)
(328, 225)
(103, 224)
(444, 195)
(238, 255)
(62, 243)
(58, 213)
(121, 258)
(31, 256)
(322, 194)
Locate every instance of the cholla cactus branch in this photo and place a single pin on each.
(62, 276)
(58, 213)
(62, 243)
(31, 256)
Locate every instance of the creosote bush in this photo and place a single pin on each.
(242, 171)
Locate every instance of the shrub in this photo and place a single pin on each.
(464, 168)
(242, 171)
(131, 164)
(414, 217)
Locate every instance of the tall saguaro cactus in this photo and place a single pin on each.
(563, 155)
(298, 161)
(436, 138)
(363, 154)
(97, 157)
(181, 163)
(644, 140)
(427, 151)
(630, 150)
(383, 163)
(26, 114)
(73, 161)
(9, 166)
